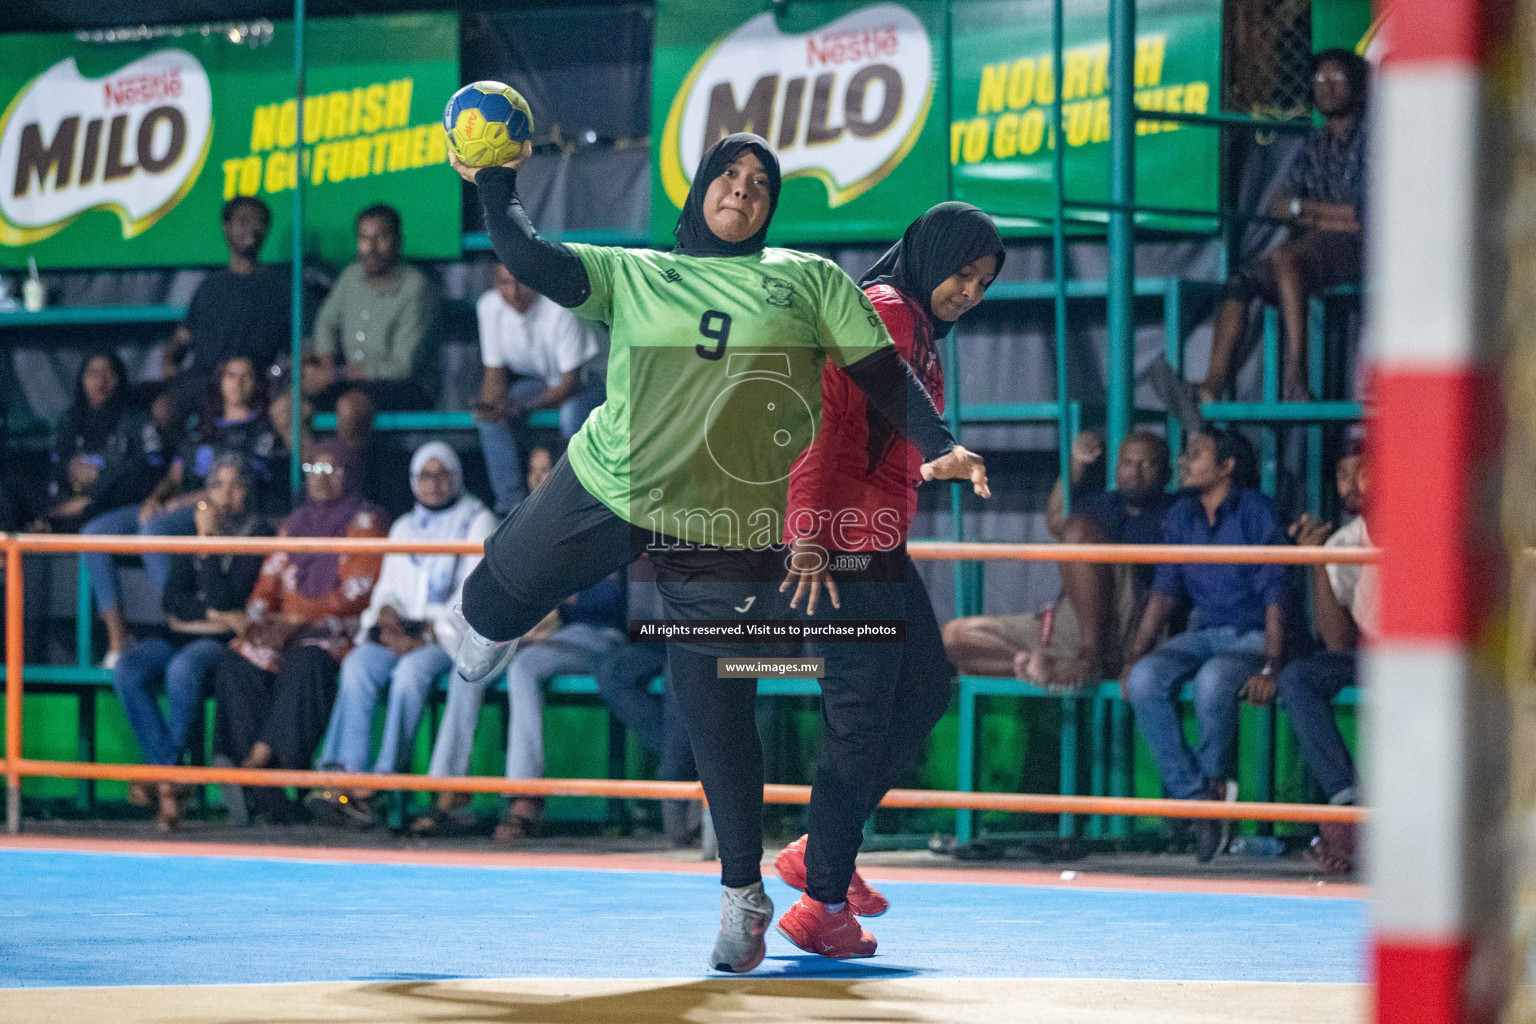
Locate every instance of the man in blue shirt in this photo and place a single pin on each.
(1101, 604)
(1235, 645)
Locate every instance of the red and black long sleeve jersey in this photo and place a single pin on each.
(855, 489)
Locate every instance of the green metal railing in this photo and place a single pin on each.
(1119, 292)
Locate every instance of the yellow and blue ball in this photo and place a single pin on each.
(487, 123)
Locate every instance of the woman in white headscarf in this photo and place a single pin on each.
(406, 633)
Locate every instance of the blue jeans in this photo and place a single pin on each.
(1220, 661)
(1307, 687)
(498, 441)
(184, 673)
(181, 523)
(125, 520)
(570, 649)
(624, 677)
(364, 672)
(99, 564)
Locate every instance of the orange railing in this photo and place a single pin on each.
(17, 767)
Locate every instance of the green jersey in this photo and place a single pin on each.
(714, 384)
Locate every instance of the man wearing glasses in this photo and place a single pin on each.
(1322, 201)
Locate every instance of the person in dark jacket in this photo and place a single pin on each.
(106, 460)
(233, 420)
(204, 603)
(104, 453)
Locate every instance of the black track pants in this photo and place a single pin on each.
(557, 541)
(721, 716)
(879, 701)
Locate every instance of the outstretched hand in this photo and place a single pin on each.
(808, 572)
(959, 464)
(468, 173)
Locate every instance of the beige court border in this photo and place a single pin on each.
(699, 1001)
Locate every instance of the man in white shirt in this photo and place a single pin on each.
(1345, 603)
(537, 355)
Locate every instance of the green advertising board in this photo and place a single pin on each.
(851, 95)
(1001, 139)
(854, 96)
(122, 153)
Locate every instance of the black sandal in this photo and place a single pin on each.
(520, 822)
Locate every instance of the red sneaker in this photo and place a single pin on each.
(864, 898)
(837, 936)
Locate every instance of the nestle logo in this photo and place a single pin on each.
(127, 91)
(851, 45)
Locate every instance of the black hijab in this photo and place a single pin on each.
(693, 235)
(935, 246)
(92, 426)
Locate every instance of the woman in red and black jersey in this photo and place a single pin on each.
(851, 500)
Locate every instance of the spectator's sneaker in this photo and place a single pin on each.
(745, 914)
(1210, 832)
(809, 925)
(863, 898)
(479, 658)
(339, 808)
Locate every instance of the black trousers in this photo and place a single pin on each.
(879, 701)
(288, 710)
(557, 541)
(721, 717)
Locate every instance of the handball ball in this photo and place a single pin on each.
(487, 123)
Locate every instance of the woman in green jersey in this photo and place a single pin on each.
(713, 394)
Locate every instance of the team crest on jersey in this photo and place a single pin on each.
(781, 293)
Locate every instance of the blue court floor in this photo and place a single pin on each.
(94, 919)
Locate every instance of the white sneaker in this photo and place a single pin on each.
(745, 915)
(479, 658)
(109, 661)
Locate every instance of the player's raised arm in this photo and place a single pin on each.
(549, 268)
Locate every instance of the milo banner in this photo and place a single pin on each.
(1000, 144)
(850, 95)
(115, 154)
(854, 96)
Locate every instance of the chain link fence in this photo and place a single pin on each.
(1269, 57)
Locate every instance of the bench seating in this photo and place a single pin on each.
(1111, 745)
(85, 683)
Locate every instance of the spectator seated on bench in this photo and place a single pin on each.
(1345, 602)
(106, 460)
(204, 603)
(243, 310)
(406, 636)
(276, 685)
(536, 355)
(374, 330)
(1102, 603)
(1322, 199)
(233, 419)
(1239, 643)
